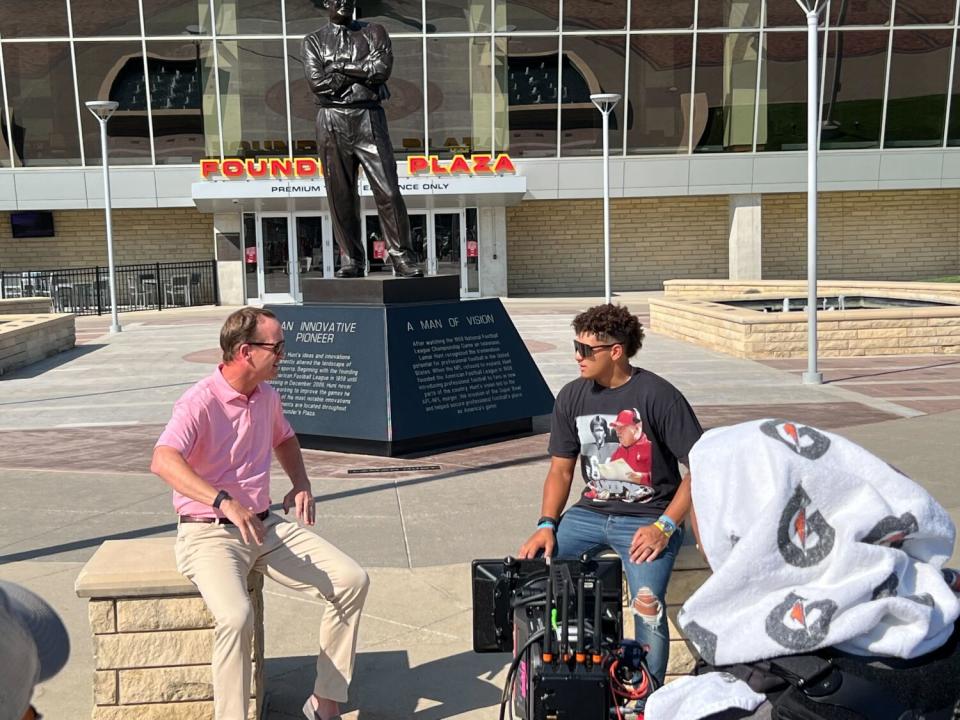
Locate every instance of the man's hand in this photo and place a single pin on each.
(302, 500)
(250, 526)
(544, 540)
(648, 542)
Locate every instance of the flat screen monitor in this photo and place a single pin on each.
(31, 224)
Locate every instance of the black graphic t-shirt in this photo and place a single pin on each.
(629, 440)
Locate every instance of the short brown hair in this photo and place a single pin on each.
(611, 323)
(240, 328)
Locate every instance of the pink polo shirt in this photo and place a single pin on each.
(228, 439)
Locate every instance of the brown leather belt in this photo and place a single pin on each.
(223, 521)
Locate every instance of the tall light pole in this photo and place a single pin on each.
(102, 110)
(812, 376)
(605, 103)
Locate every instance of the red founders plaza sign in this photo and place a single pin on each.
(308, 168)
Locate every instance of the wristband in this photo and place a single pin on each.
(668, 521)
(546, 522)
(664, 527)
(221, 496)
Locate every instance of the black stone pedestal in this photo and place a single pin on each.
(390, 378)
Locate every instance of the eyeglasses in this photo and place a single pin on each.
(275, 348)
(586, 351)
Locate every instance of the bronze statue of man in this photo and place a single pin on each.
(348, 64)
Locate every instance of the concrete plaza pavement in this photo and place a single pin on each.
(76, 433)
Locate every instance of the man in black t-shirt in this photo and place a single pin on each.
(634, 498)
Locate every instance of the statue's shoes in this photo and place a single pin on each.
(407, 270)
(349, 271)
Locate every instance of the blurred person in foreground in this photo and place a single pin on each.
(829, 597)
(34, 646)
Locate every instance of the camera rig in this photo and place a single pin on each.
(563, 621)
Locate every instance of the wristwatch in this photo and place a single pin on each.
(221, 496)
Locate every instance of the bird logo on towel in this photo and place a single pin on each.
(702, 639)
(804, 440)
(892, 531)
(804, 537)
(799, 624)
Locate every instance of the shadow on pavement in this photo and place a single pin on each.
(386, 688)
(41, 366)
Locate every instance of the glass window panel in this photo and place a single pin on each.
(527, 15)
(114, 71)
(459, 95)
(953, 128)
(405, 107)
(860, 12)
(853, 89)
(723, 103)
(593, 15)
(526, 104)
(458, 15)
(303, 109)
(395, 15)
(786, 13)
(926, 12)
(730, 13)
(305, 16)
(253, 98)
(183, 98)
(4, 133)
(176, 17)
(917, 96)
(782, 121)
(37, 18)
(648, 14)
(96, 17)
(248, 17)
(659, 94)
(43, 109)
(590, 65)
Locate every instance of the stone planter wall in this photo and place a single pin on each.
(25, 339)
(153, 635)
(25, 306)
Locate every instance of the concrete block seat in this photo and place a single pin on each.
(153, 635)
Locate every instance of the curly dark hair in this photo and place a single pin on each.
(611, 323)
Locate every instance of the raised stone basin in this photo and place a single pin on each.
(920, 318)
(25, 339)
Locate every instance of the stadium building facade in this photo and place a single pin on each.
(213, 151)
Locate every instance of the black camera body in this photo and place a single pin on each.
(562, 620)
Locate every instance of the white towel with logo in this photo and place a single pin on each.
(813, 542)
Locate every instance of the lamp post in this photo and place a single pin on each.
(812, 376)
(102, 110)
(605, 103)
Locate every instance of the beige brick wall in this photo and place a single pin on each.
(556, 246)
(886, 235)
(139, 235)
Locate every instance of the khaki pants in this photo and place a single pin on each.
(215, 558)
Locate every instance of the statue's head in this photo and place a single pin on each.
(341, 11)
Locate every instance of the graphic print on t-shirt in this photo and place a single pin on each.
(616, 457)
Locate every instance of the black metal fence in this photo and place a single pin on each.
(147, 286)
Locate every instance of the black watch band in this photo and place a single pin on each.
(221, 496)
(547, 519)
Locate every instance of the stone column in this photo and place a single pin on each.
(227, 231)
(745, 237)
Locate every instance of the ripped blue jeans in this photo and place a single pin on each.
(583, 530)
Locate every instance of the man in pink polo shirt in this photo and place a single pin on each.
(215, 453)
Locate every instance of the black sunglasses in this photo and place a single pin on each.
(275, 348)
(586, 351)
